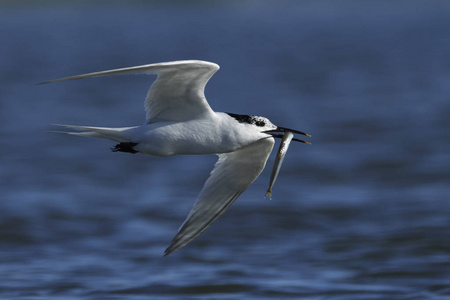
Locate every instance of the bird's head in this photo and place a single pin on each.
(268, 127)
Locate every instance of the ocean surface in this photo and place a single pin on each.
(362, 213)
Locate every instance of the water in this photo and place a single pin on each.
(363, 213)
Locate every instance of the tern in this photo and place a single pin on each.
(179, 121)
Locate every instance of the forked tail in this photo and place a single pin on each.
(115, 134)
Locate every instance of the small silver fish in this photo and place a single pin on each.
(285, 141)
(287, 137)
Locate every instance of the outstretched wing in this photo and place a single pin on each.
(178, 92)
(232, 174)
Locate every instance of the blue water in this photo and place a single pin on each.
(363, 213)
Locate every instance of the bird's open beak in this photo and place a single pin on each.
(277, 133)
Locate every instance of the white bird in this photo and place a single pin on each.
(179, 120)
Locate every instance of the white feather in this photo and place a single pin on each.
(177, 93)
(232, 174)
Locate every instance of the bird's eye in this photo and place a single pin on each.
(260, 123)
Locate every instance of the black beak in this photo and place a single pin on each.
(275, 133)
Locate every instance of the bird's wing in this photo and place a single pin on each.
(232, 174)
(178, 92)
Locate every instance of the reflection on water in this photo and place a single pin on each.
(363, 213)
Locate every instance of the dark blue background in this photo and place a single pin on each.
(363, 213)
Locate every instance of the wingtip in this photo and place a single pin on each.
(168, 251)
(59, 80)
(50, 81)
(171, 249)
(175, 244)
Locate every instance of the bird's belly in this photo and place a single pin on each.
(163, 147)
(176, 139)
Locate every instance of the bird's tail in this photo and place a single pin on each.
(115, 134)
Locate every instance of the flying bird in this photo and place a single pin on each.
(179, 120)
